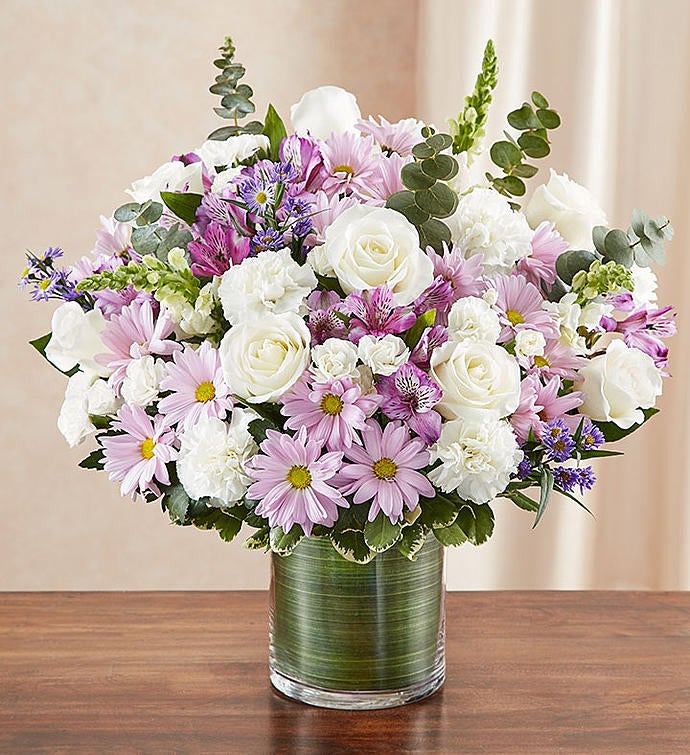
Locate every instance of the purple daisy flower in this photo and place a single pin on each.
(409, 395)
(591, 436)
(385, 471)
(138, 455)
(351, 161)
(292, 482)
(257, 195)
(267, 240)
(373, 314)
(557, 439)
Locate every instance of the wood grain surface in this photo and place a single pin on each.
(529, 672)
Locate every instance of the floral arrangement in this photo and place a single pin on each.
(345, 332)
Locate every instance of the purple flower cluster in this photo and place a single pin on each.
(46, 281)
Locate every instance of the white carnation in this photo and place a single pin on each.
(383, 355)
(213, 458)
(76, 339)
(646, 284)
(471, 318)
(101, 399)
(141, 385)
(232, 150)
(271, 282)
(334, 359)
(529, 343)
(485, 224)
(172, 176)
(477, 458)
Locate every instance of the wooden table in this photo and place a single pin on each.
(528, 672)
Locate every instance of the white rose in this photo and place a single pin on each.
(271, 282)
(569, 206)
(318, 261)
(76, 339)
(619, 384)
(142, 380)
(485, 224)
(644, 291)
(264, 357)
(325, 111)
(172, 176)
(478, 379)
(372, 246)
(230, 151)
(529, 343)
(101, 399)
(383, 355)
(471, 318)
(478, 458)
(334, 359)
(213, 457)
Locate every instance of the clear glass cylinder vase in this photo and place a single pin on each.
(357, 636)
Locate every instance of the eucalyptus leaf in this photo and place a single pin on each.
(548, 118)
(572, 262)
(441, 167)
(439, 201)
(405, 203)
(524, 118)
(533, 145)
(414, 178)
(434, 233)
(504, 154)
(617, 247)
(539, 100)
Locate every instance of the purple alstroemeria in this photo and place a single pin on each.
(373, 314)
(431, 339)
(408, 394)
(324, 319)
(304, 154)
(644, 329)
(438, 296)
(219, 249)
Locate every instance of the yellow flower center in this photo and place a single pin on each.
(540, 362)
(147, 448)
(331, 404)
(44, 284)
(344, 169)
(24, 273)
(559, 446)
(385, 469)
(589, 440)
(514, 317)
(261, 197)
(299, 477)
(205, 392)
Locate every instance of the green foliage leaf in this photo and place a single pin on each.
(176, 503)
(94, 460)
(145, 240)
(441, 167)
(275, 130)
(422, 151)
(539, 100)
(351, 545)
(617, 247)
(523, 170)
(524, 118)
(413, 538)
(258, 427)
(424, 321)
(439, 201)
(439, 142)
(182, 204)
(476, 521)
(284, 543)
(381, 534)
(434, 233)
(598, 237)
(127, 212)
(571, 262)
(548, 118)
(328, 283)
(533, 145)
(451, 535)
(440, 511)
(546, 485)
(520, 499)
(414, 178)
(259, 539)
(613, 433)
(504, 154)
(405, 203)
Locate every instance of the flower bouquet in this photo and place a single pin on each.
(350, 340)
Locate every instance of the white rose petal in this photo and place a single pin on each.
(74, 422)
(213, 458)
(264, 357)
(529, 343)
(172, 176)
(619, 384)
(571, 207)
(214, 152)
(383, 355)
(271, 282)
(76, 339)
(478, 458)
(334, 359)
(485, 224)
(142, 380)
(324, 111)
(478, 380)
(471, 318)
(372, 246)
(224, 178)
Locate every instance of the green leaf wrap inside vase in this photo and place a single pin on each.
(342, 626)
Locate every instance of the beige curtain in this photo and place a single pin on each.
(97, 94)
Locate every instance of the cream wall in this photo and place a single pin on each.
(96, 94)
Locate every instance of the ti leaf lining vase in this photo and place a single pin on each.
(357, 636)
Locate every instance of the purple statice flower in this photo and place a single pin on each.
(568, 478)
(464, 276)
(138, 454)
(557, 439)
(219, 249)
(324, 321)
(257, 195)
(267, 240)
(408, 394)
(294, 214)
(547, 246)
(294, 482)
(585, 478)
(304, 154)
(431, 339)
(373, 314)
(591, 436)
(437, 296)
(385, 470)
(397, 137)
(519, 305)
(524, 469)
(644, 329)
(331, 412)
(351, 162)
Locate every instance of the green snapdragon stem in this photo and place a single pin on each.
(339, 625)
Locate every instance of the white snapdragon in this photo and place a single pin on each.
(324, 111)
(571, 208)
(76, 339)
(213, 458)
(478, 380)
(477, 458)
(485, 224)
(196, 319)
(529, 343)
(383, 355)
(373, 246)
(172, 176)
(141, 384)
(334, 359)
(619, 384)
(472, 318)
(264, 357)
(271, 282)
